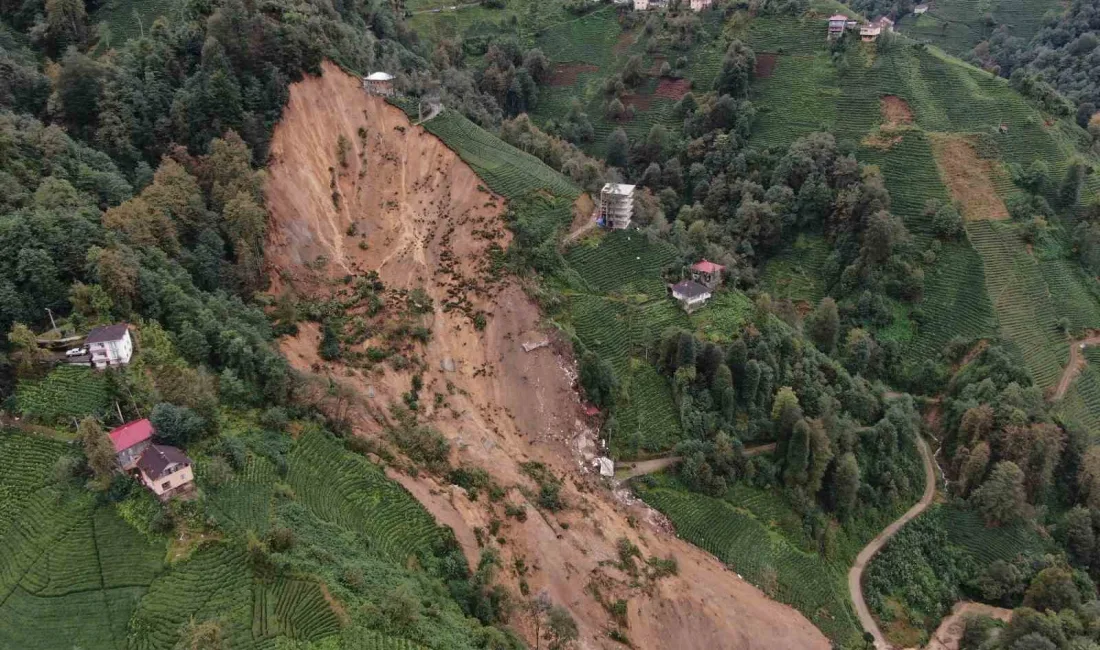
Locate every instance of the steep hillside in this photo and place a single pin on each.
(403, 205)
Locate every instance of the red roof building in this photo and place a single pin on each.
(707, 267)
(130, 440)
(591, 410)
(707, 273)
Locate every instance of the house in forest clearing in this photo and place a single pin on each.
(379, 83)
(165, 470)
(130, 441)
(699, 5)
(616, 205)
(110, 345)
(707, 273)
(920, 9)
(690, 294)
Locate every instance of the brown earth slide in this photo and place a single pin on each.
(406, 206)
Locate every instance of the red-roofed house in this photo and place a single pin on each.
(591, 410)
(130, 440)
(707, 273)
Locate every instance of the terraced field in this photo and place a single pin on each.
(763, 557)
(958, 25)
(623, 262)
(505, 169)
(354, 494)
(967, 530)
(67, 392)
(245, 504)
(69, 568)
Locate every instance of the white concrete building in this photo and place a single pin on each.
(616, 205)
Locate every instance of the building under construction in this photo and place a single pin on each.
(616, 205)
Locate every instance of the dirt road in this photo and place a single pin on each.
(855, 575)
(640, 467)
(950, 630)
(1074, 367)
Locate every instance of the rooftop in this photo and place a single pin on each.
(707, 267)
(158, 458)
(689, 289)
(131, 434)
(107, 333)
(836, 17)
(618, 188)
(380, 76)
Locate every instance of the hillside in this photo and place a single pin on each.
(425, 222)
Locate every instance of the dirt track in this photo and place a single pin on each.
(407, 207)
(855, 575)
(1074, 367)
(950, 630)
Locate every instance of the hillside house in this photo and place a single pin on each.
(379, 83)
(920, 9)
(110, 345)
(616, 205)
(707, 273)
(130, 441)
(870, 32)
(837, 24)
(690, 294)
(699, 5)
(165, 470)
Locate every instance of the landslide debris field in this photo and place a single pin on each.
(356, 190)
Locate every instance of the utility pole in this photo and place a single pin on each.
(51, 318)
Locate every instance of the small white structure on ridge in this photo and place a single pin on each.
(379, 83)
(920, 9)
(699, 5)
(616, 205)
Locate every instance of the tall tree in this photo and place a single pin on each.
(1002, 499)
(98, 450)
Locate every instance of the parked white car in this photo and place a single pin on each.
(76, 352)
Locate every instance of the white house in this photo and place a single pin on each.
(920, 9)
(699, 5)
(165, 470)
(690, 294)
(379, 83)
(110, 345)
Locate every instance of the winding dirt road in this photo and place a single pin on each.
(1075, 365)
(855, 575)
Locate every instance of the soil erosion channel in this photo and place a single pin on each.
(355, 188)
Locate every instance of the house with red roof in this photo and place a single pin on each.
(707, 273)
(130, 441)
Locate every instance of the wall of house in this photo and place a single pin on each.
(127, 457)
(180, 477)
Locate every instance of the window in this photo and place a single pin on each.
(165, 485)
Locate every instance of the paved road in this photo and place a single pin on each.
(855, 575)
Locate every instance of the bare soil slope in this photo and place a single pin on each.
(426, 223)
